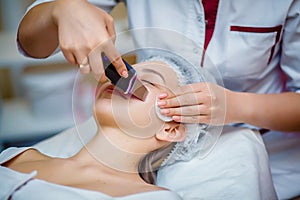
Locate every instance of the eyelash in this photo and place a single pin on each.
(148, 82)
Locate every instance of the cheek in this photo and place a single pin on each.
(141, 113)
(137, 118)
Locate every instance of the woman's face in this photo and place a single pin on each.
(135, 117)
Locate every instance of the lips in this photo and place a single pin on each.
(112, 90)
(109, 89)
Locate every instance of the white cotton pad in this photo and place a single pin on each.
(160, 116)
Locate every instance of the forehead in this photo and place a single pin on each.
(151, 69)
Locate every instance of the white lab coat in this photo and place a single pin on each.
(237, 168)
(244, 58)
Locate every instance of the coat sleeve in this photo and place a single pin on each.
(290, 57)
(106, 5)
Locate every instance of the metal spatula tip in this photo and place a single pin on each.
(139, 90)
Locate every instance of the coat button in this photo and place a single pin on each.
(199, 18)
(196, 50)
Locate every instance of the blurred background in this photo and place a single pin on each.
(36, 94)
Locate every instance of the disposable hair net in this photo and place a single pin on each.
(200, 138)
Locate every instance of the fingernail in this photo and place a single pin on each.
(161, 103)
(124, 74)
(162, 95)
(176, 118)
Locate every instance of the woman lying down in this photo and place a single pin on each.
(120, 162)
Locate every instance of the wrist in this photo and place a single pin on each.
(54, 10)
(238, 107)
(60, 7)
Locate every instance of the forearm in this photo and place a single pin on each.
(271, 111)
(38, 34)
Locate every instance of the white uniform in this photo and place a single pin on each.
(20, 186)
(252, 43)
(237, 168)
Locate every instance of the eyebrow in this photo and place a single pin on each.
(155, 72)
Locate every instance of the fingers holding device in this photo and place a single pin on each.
(129, 85)
(94, 61)
(84, 35)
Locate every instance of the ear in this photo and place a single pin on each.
(171, 132)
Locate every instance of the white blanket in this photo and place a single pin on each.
(237, 168)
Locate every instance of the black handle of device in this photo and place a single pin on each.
(125, 84)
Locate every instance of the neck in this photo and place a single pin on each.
(114, 153)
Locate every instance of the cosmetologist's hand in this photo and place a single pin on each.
(84, 32)
(197, 103)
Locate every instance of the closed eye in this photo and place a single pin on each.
(148, 82)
